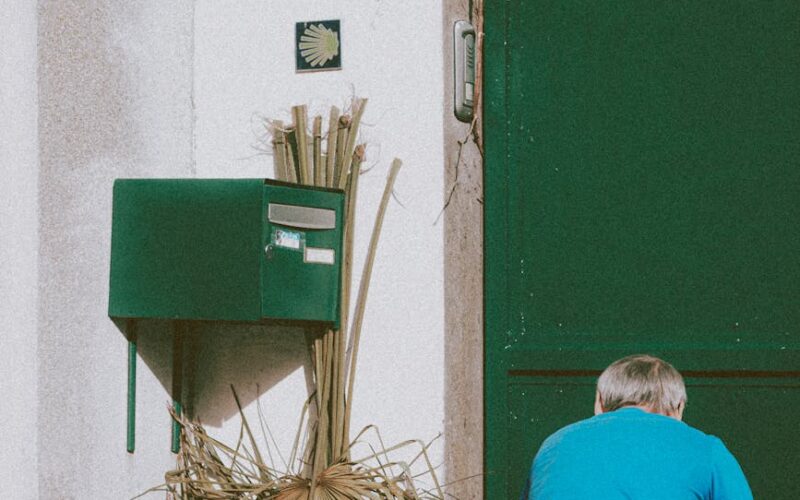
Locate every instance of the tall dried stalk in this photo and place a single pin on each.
(291, 153)
(358, 111)
(279, 150)
(333, 127)
(299, 117)
(319, 167)
(366, 276)
(342, 133)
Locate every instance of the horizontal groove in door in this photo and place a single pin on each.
(686, 373)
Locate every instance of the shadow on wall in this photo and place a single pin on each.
(251, 357)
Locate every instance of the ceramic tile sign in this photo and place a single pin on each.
(317, 46)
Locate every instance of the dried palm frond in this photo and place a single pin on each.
(210, 469)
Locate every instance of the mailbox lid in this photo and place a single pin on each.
(302, 238)
(186, 249)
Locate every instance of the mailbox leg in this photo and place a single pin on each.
(177, 383)
(131, 434)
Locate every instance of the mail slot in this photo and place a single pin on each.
(225, 249)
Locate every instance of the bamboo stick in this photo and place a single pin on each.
(317, 347)
(314, 438)
(308, 451)
(358, 316)
(341, 142)
(347, 265)
(337, 390)
(343, 433)
(340, 438)
(299, 116)
(322, 450)
(333, 124)
(295, 446)
(324, 162)
(279, 151)
(349, 235)
(329, 386)
(291, 167)
(308, 461)
(358, 111)
(319, 167)
(326, 386)
(319, 449)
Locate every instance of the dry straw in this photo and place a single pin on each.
(321, 465)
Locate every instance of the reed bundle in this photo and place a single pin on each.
(326, 470)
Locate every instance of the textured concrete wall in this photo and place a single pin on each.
(18, 245)
(115, 101)
(463, 223)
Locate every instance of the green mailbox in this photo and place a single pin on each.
(245, 250)
(225, 249)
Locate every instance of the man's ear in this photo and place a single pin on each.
(678, 413)
(598, 405)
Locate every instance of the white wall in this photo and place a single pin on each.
(114, 101)
(391, 54)
(173, 89)
(19, 170)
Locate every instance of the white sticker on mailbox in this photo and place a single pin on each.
(319, 256)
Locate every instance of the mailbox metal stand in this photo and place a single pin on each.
(177, 383)
(131, 437)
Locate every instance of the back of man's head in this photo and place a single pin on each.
(642, 381)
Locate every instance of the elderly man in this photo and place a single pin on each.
(636, 446)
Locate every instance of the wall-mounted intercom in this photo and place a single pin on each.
(464, 70)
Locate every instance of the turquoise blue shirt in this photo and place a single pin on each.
(632, 454)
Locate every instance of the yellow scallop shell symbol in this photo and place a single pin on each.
(318, 45)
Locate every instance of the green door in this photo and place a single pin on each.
(642, 194)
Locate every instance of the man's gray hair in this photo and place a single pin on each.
(641, 380)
